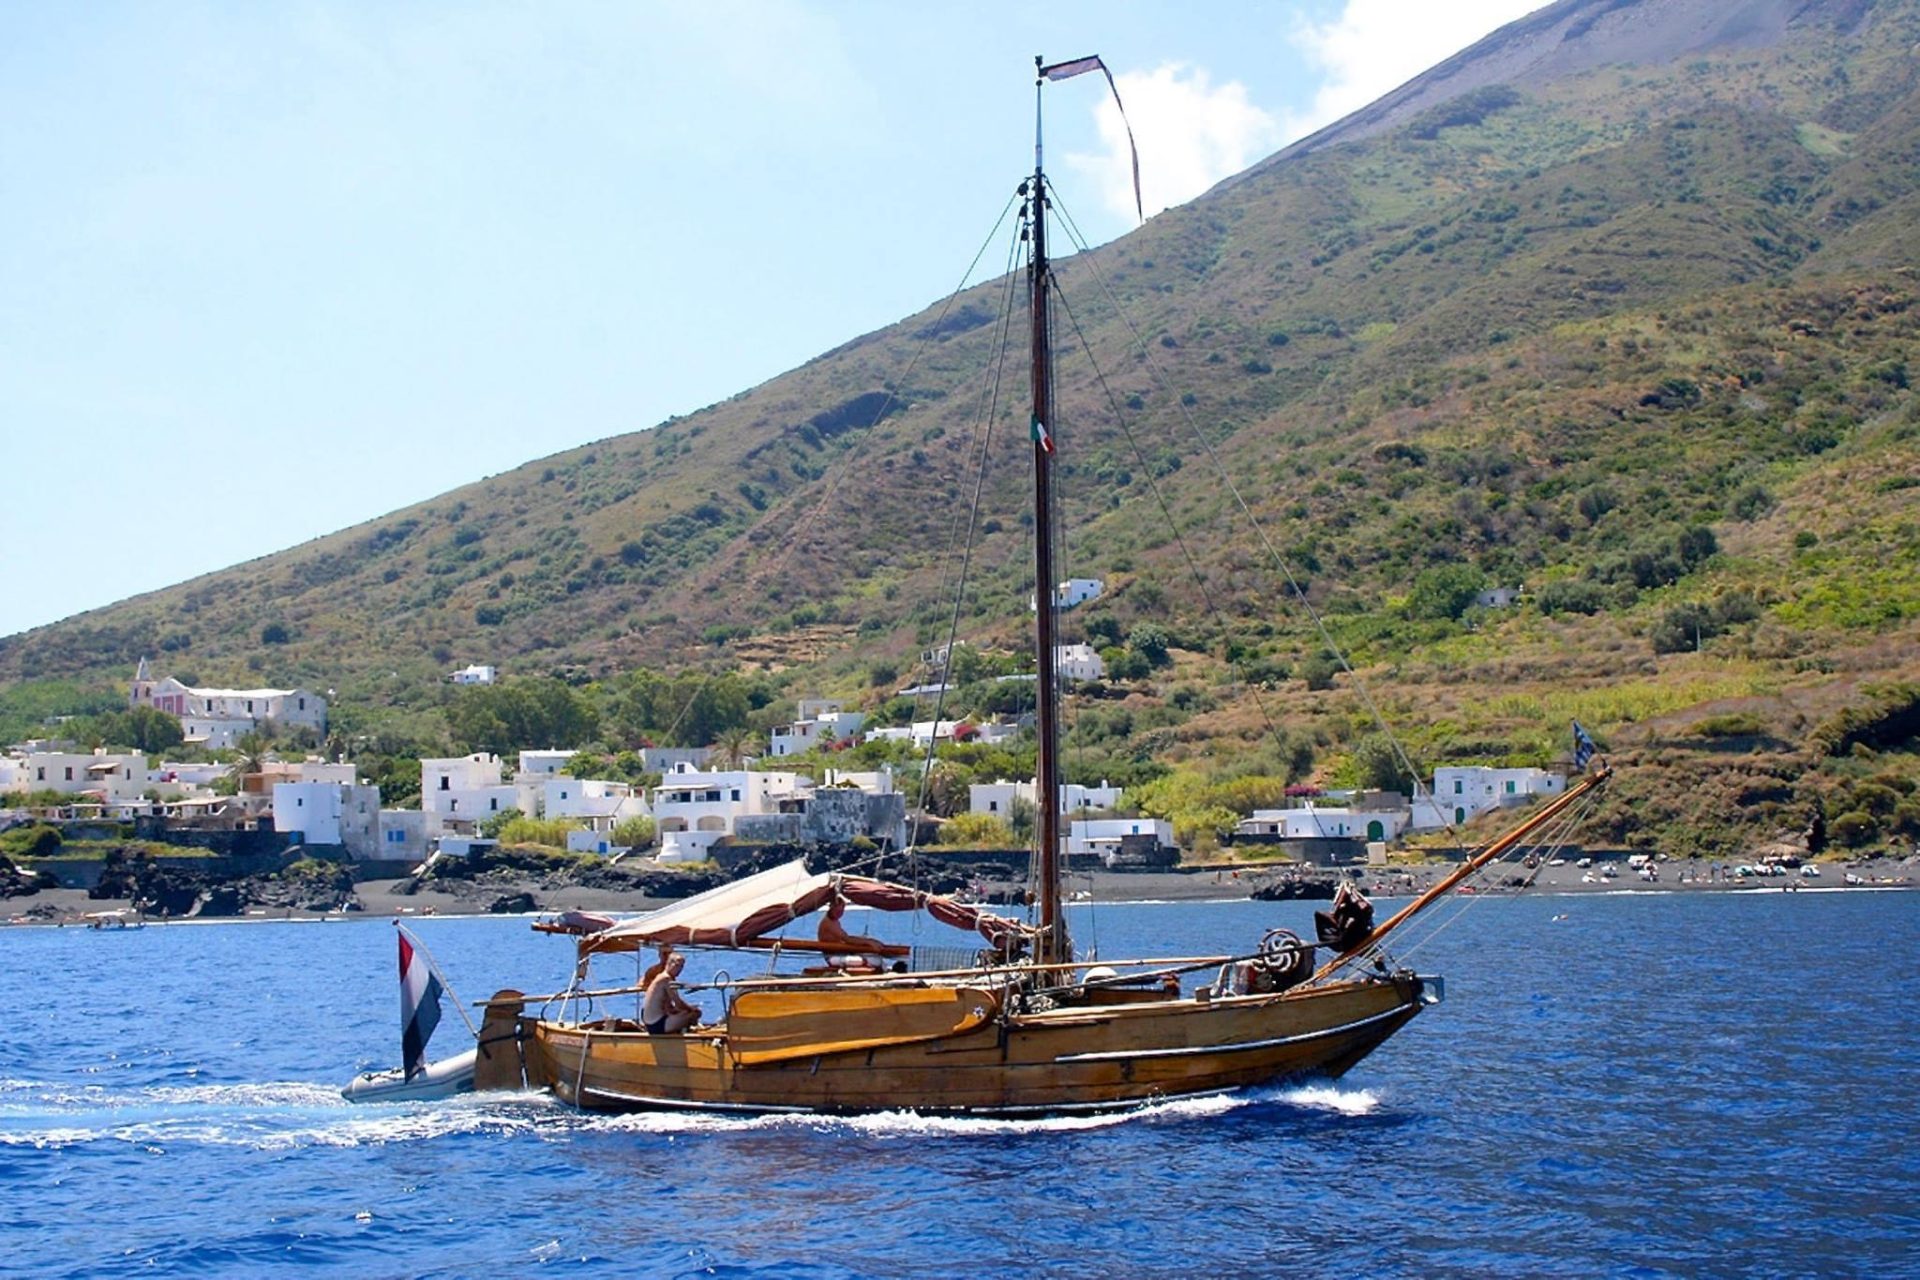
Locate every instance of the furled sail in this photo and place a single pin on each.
(737, 914)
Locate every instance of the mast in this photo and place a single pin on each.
(1054, 946)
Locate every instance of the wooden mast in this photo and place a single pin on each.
(1053, 943)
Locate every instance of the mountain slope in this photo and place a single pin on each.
(1615, 306)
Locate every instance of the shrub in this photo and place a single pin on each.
(1683, 627)
(1570, 596)
(1853, 829)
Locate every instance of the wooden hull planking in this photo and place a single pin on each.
(1062, 1060)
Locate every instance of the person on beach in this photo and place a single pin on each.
(663, 1012)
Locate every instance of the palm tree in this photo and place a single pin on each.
(733, 745)
(250, 756)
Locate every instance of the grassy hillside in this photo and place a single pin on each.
(1632, 334)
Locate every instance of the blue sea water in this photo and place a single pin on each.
(1653, 1085)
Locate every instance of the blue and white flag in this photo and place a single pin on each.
(1583, 748)
(419, 1005)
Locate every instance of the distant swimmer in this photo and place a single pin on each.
(1560, 917)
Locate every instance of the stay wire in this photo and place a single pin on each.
(1159, 496)
(800, 530)
(1233, 490)
(984, 436)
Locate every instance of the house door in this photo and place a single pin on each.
(1375, 831)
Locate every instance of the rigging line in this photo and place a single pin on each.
(989, 400)
(1467, 902)
(796, 535)
(1233, 490)
(984, 432)
(1160, 497)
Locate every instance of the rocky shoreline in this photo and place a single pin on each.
(521, 885)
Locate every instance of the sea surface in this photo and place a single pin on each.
(1632, 1084)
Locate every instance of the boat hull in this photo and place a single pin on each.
(1073, 1059)
(447, 1078)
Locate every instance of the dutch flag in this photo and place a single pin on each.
(419, 1005)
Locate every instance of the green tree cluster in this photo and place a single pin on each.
(521, 714)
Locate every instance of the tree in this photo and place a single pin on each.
(1376, 765)
(1444, 591)
(976, 831)
(250, 756)
(734, 745)
(1150, 642)
(634, 833)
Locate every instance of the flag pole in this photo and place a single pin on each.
(439, 973)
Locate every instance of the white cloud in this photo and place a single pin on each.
(1374, 46)
(1191, 134)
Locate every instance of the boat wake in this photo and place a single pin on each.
(271, 1116)
(289, 1115)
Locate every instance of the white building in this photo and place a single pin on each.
(1074, 591)
(1461, 791)
(663, 759)
(1079, 662)
(1498, 598)
(330, 813)
(599, 804)
(993, 733)
(473, 673)
(1103, 835)
(110, 779)
(459, 792)
(1315, 822)
(919, 733)
(694, 810)
(217, 718)
(817, 722)
(403, 835)
(996, 798)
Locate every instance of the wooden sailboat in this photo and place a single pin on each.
(1023, 1028)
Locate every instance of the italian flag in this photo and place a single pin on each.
(1041, 436)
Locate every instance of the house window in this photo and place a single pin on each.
(736, 793)
(453, 806)
(1509, 786)
(1459, 815)
(69, 773)
(446, 784)
(43, 774)
(493, 804)
(563, 795)
(303, 704)
(300, 802)
(1456, 786)
(993, 806)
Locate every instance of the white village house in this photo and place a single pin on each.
(1079, 662)
(996, 798)
(218, 718)
(110, 779)
(1461, 791)
(817, 722)
(474, 673)
(1074, 591)
(330, 813)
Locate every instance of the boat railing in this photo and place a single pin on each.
(1126, 973)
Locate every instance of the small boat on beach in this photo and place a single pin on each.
(1009, 1020)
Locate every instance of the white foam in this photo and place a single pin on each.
(1328, 1097)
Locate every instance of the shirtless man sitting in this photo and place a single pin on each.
(834, 934)
(663, 1012)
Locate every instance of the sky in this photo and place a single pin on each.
(270, 271)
